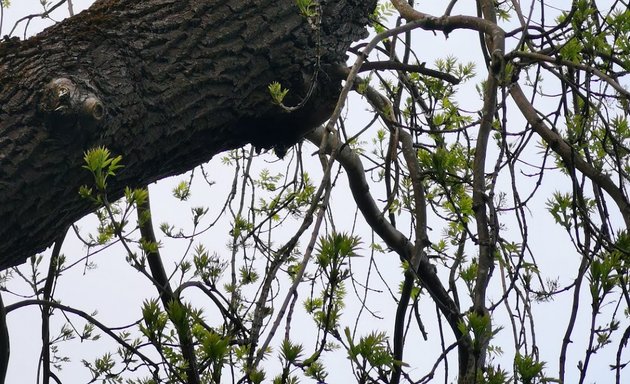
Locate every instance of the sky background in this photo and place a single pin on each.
(117, 291)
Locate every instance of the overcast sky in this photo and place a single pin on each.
(118, 292)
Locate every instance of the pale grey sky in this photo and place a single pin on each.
(117, 292)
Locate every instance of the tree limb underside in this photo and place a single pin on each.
(167, 84)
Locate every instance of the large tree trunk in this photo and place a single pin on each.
(167, 84)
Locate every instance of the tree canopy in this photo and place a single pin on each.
(446, 199)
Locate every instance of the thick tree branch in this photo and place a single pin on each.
(166, 84)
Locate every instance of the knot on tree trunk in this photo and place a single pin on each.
(69, 106)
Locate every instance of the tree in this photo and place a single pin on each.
(453, 186)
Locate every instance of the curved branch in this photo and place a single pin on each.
(391, 236)
(570, 158)
(88, 318)
(224, 312)
(535, 56)
(398, 66)
(450, 23)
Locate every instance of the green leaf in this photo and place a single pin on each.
(213, 345)
(277, 92)
(528, 368)
(290, 352)
(571, 51)
(101, 164)
(308, 8)
(256, 376)
(182, 191)
(178, 314)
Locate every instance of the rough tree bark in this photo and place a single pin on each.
(167, 84)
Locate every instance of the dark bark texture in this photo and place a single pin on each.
(167, 84)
